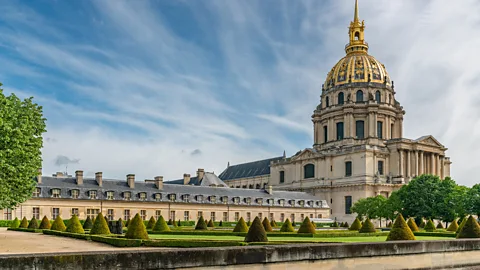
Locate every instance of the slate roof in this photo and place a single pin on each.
(250, 169)
(119, 187)
(208, 179)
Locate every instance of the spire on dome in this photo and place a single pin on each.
(356, 30)
(356, 17)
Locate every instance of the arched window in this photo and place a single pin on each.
(340, 98)
(327, 102)
(359, 96)
(308, 171)
(378, 96)
(357, 35)
(257, 186)
(360, 129)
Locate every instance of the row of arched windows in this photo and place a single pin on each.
(359, 98)
(359, 130)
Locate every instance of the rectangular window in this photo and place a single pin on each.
(158, 197)
(75, 212)
(172, 197)
(143, 196)
(143, 214)
(380, 130)
(110, 214)
(360, 129)
(282, 177)
(391, 131)
(260, 216)
(7, 214)
(172, 215)
(325, 134)
(55, 193)
(302, 217)
(36, 212)
(380, 167)
(348, 204)
(311, 215)
(186, 198)
(36, 192)
(126, 214)
(127, 196)
(55, 212)
(271, 216)
(249, 216)
(158, 213)
(186, 215)
(92, 213)
(237, 216)
(212, 216)
(340, 131)
(225, 216)
(282, 217)
(292, 217)
(109, 195)
(93, 194)
(348, 168)
(75, 194)
(199, 214)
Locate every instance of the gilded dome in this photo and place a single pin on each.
(357, 67)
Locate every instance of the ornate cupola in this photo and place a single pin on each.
(356, 31)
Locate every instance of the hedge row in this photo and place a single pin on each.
(190, 243)
(435, 234)
(25, 230)
(277, 234)
(117, 242)
(67, 234)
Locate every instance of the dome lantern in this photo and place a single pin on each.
(356, 33)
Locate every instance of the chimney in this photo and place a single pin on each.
(270, 190)
(79, 177)
(131, 180)
(58, 174)
(99, 178)
(159, 182)
(39, 176)
(200, 174)
(186, 178)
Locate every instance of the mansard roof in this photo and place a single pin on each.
(250, 169)
(209, 179)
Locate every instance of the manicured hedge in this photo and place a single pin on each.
(435, 234)
(190, 243)
(117, 242)
(67, 234)
(25, 230)
(6, 223)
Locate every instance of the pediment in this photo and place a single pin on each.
(429, 140)
(305, 154)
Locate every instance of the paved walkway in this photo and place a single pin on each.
(13, 242)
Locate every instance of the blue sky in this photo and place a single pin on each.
(166, 87)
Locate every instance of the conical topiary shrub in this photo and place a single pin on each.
(151, 223)
(33, 224)
(88, 224)
(126, 223)
(470, 229)
(170, 222)
(210, 224)
(100, 226)
(356, 225)
(430, 227)
(45, 224)
(389, 225)
(306, 227)
(161, 225)
(241, 226)
(174, 223)
(368, 227)
(294, 224)
(256, 232)
(453, 226)
(273, 223)
(137, 229)
(422, 224)
(412, 225)
(266, 225)
(314, 225)
(24, 223)
(58, 225)
(287, 226)
(74, 226)
(15, 223)
(220, 224)
(440, 225)
(464, 220)
(249, 223)
(400, 230)
(179, 223)
(201, 225)
(345, 225)
(335, 224)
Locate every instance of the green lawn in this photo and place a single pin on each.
(295, 239)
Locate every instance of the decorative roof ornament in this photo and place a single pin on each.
(356, 32)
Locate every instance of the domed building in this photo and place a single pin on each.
(359, 150)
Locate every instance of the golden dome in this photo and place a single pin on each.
(358, 66)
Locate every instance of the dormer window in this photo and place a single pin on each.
(92, 194)
(224, 199)
(259, 200)
(158, 197)
(212, 199)
(109, 195)
(127, 196)
(270, 201)
(281, 202)
(172, 197)
(236, 200)
(75, 193)
(301, 203)
(318, 203)
(292, 202)
(36, 192)
(186, 198)
(199, 198)
(142, 196)
(248, 200)
(56, 193)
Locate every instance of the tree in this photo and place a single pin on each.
(137, 229)
(473, 201)
(210, 223)
(266, 225)
(368, 227)
(256, 232)
(306, 227)
(151, 223)
(420, 197)
(88, 224)
(400, 230)
(287, 226)
(430, 227)
(15, 223)
(356, 225)
(33, 223)
(470, 229)
(45, 224)
(241, 226)
(58, 225)
(74, 226)
(100, 225)
(161, 225)
(21, 127)
(201, 225)
(371, 207)
(412, 225)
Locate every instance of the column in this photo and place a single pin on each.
(442, 167)
(346, 124)
(416, 163)
(400, 153)
(400, 128)
(432, 160)
(409, 172)
(387, 128)
(371, 125)
(421, 168)
(375, 132)
(352, 126)
(437, 164)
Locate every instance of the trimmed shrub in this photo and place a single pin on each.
(74, 226)
(453, 226)
(314, 225)
(241, 226)
(174, 223)
(345, 225)
(273, 223)
(45, 224)
(24, 223)
(161, 225)
(266, 225)
(294, 224)
(461, 225)
(170, 222)
(58, 225)
(306, 227)
(210, 224)
(422, 224)
(127, 223)
(151, 223)
(368, 227)
(88, 224)
(389, 225)
(201, 225)
(67, 234)
(179, 223)
(400, 230)
(115, 227)
(220, 224)
(287, 226)
(440, 225)
(335, 224)
(430, 227)
(93, 221)
(412, 225)
(15, 223)
(356, 225)
(256, 232)
(33, 224)
(118, 242)
(249, 223)
(100, 226)
(470, 229)
(180, 243)
(137, 229)
(435, 234)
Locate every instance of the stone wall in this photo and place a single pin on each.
(421, 254)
